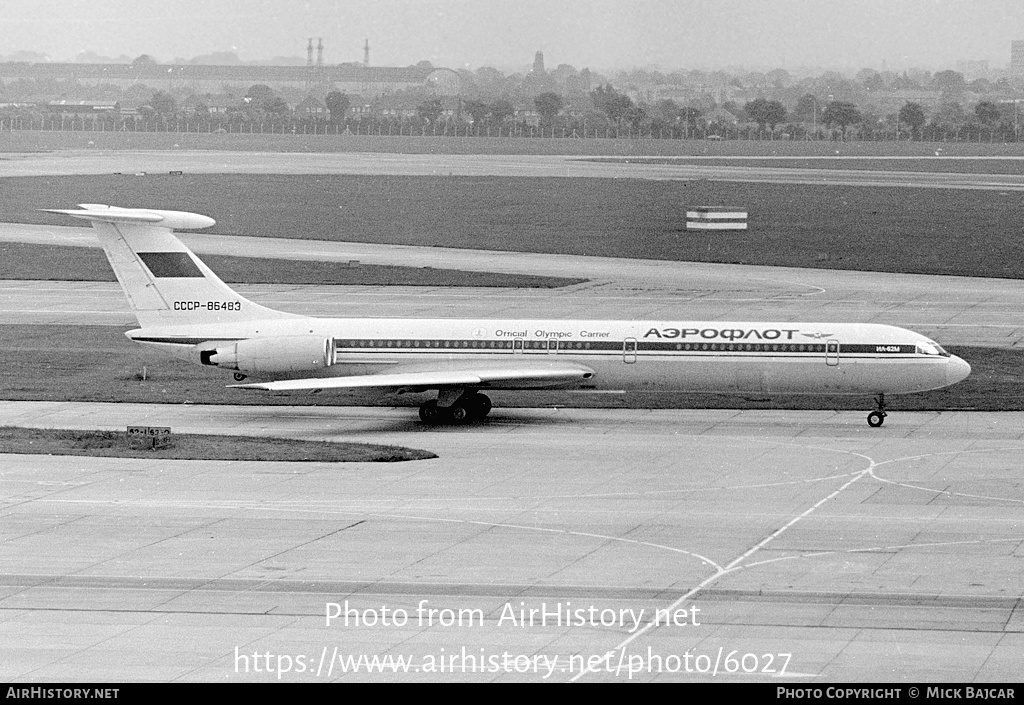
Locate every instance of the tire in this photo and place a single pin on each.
(461, 412)
(238, 376)
(481, 405)
(432, 414)
(876, 419)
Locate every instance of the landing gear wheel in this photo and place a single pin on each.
(469, 408)
(877, 417)
(461, 412)
(238, 376)
(432, 414)
(480, 404)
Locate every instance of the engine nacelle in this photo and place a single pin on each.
(299, 353)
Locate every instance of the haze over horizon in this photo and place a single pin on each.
(600, 34)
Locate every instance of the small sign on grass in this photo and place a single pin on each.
(150, 436)
(715, 218)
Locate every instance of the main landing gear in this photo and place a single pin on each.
(877, 417)
(461, 409)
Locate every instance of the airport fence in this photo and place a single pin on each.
(513, 130)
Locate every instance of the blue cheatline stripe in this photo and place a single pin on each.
(571, 346)
(345, 345)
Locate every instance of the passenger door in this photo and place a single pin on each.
(629, 350)
(832, 353)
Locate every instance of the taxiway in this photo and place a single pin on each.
(866, 554)
(214, 162)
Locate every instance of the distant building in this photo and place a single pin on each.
(1017, 57)
(443, 82)
(527, 113)
(82, 108)
(311, 107)
(222, 104)
(397, 106)
(352, 79)
(213, 104)
(538, 63)
(720, 116)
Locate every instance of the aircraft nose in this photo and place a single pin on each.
(956, 370)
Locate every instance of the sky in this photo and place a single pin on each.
(600, 34)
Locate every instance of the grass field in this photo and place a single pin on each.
(40, 141)
(57, 263)
(191, 446)
(913, 230)
(97, 363)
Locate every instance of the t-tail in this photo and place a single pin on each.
(166, 284)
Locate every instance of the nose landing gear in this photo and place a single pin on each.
(877, 417)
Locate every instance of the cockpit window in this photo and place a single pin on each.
(931, 348)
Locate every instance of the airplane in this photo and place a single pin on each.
(184, 309)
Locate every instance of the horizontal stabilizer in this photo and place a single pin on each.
(510, 377)
(174, 220)
(166, 284)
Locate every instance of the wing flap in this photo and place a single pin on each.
(498, 377)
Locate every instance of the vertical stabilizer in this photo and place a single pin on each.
(166, 284)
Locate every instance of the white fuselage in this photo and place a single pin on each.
(689, 356)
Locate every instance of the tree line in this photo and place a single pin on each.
(605, 111)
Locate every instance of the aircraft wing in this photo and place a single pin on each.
(511, 377)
